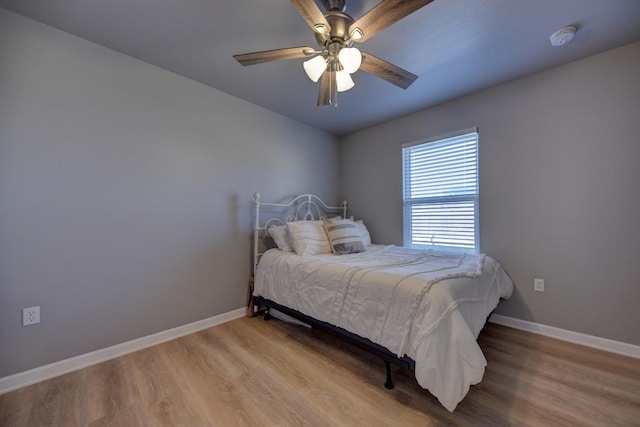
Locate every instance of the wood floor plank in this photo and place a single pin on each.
(15, 407)
(601, 377)
(73, 408)
(126, 416)
(309, 379)
(264, 375)
(250, 372)
(110, 389)
(50, 399)
(159, 400)
(217, 395)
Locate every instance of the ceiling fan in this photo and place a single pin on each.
(336, 32)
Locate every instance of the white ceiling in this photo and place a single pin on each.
(455, 46)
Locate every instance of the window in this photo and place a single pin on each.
(441, 193)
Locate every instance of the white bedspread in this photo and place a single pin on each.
(427, 305)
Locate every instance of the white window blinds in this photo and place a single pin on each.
(441, 193)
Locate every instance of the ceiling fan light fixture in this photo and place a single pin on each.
(350, 58)
(314, 67)
(320, 29)
(356, 34)
(344, 81)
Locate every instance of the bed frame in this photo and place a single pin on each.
(304, 208)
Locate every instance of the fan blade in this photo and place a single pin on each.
(311, 13)
(274, 55)
(384, 14)
(325, 93)
(387, 71)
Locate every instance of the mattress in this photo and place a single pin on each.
(427, 305)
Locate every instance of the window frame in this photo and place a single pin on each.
(408, 202)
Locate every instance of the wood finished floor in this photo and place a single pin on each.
(252, 372)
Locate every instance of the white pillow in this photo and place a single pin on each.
(363, 233)
(280, 235)
(308, 238)
(343, 236)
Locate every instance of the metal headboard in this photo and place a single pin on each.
(305, 207)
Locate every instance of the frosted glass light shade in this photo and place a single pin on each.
(344, 81)
(350, 58)
(357, 34)
(314, 67)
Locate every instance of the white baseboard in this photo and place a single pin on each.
(62, 367)
(612, 346)
(45, 372)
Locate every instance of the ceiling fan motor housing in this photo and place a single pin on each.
(340, 23)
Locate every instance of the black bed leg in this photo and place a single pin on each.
(267, 315)
(389, 384)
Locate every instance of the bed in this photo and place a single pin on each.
(422, 308)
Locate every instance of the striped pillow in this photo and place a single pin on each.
(308, 238)
(343, 236)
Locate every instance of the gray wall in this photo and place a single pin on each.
(125, 193)
(559, 187)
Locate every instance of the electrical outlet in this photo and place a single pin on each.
(31, 315)
(538, 285)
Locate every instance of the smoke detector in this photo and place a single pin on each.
(562, 36)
